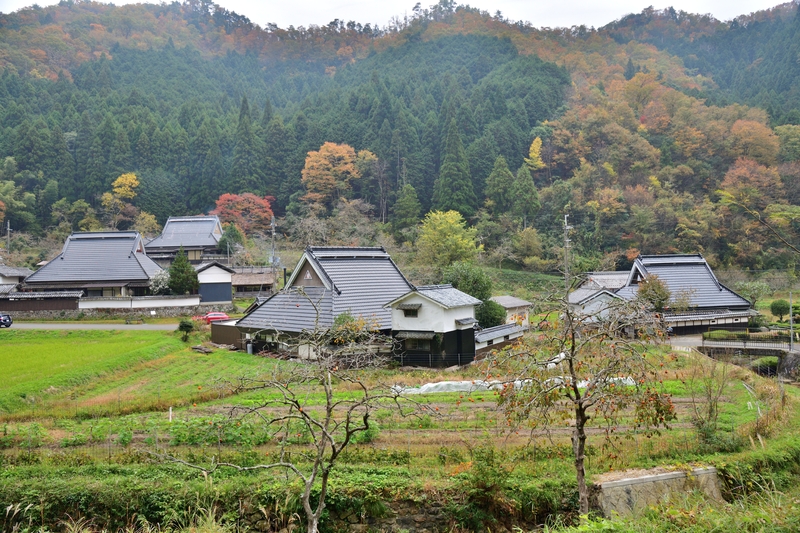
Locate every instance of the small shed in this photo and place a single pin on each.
(214, 281)
(517, 309)
(253, 280)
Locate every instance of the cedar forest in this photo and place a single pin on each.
(663, 132)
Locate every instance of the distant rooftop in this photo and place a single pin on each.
(190, 232)
(99, 257)
(510, 302)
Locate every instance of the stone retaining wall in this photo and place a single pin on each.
(101, 314)
(629, 496)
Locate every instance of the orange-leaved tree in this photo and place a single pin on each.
(328, 172)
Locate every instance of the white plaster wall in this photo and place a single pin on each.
(430, 317)
(138, 303)
(214, 275)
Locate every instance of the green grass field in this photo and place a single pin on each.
(83, 405)
(98, 373)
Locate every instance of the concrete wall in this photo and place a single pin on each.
(630, 496)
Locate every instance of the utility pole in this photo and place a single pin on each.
(272, 263)
(8, 236)
(791, 324)
(567, 227)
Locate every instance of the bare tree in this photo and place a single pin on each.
(337, 362)
(585, 366)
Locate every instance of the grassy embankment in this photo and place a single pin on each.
(80, 409)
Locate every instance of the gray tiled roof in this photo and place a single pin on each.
(7, 287)
(447, 296)
(579, 296)
(9, 271)
(293, 310)
(497, 332)
(510, 302)
(687, 274)
(189, 232)
(606, 280)
(97, 257)
(360, 281)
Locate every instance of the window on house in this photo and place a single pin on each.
(505, 338)
(418, 344)
(489, 342)
(410, 313)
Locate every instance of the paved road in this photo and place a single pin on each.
(78, 325)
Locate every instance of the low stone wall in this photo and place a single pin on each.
(630, 495)
(102, 314)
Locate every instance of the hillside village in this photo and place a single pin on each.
(457, 273)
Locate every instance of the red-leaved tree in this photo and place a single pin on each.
(249, 212)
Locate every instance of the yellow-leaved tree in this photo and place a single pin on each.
(445, 238)
(534, 159)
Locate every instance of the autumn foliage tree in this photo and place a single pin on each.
(116, 203)
(328, 173)
(247, 211)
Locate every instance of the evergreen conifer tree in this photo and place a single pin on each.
(246, 174)
(499, 186)
(524, 196)
(182, 275)
(453, 188)
(406, 210)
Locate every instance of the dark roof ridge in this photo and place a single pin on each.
(434, 287)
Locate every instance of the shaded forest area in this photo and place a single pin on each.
(639, 132)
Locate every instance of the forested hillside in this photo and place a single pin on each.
(753, 58)
(512, 126)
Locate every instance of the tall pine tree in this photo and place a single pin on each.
(453, 188)
(499, 185)
(246, 174)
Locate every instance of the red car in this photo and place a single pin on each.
(208, 318)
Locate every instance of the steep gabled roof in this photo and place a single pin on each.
(687, 274)
(189, 232)
(116, 256)
(355, 280)
(294, 310)
(205, 266)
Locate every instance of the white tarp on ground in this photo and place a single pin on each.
(481, 385)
